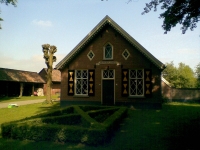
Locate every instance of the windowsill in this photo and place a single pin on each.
(136, 96)
(77, 96)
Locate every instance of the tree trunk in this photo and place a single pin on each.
(49, 79)
(49, 59)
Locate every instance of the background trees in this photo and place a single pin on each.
(197, 73)
(12, 2)
(184, 12)
(182, 76)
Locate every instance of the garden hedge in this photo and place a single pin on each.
(85, 124)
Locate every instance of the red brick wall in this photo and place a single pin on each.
(180, 94)
(136, 60)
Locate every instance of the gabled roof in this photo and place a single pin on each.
(20, 76)
(107, 20)
(56, 75)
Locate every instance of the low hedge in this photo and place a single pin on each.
(77, 127)
(102, 115)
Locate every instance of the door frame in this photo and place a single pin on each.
(102, 79)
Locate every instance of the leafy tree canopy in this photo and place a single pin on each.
(12, 2)
(184, 12)
(180, 77)
(197, 73)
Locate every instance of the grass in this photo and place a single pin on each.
(176, 126)
(24, 98)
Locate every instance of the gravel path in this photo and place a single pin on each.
(19, 103)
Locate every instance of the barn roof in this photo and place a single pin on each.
(108, 21)
(56, 75)
(20, 76)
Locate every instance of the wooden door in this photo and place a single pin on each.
(108, 92)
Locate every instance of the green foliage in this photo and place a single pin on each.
(12, 2)
(102, 115)
(184, 12)
(197, 73)
(181, 76)
(59, 126)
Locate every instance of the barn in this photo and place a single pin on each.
(109, 67)
(18, 82)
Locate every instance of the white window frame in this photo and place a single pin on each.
(85, 93)
(136, 79)
(109, 76)
(104, 52)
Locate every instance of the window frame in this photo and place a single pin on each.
(80, 78)
(137, 78)
(109, 77)
(104, 52)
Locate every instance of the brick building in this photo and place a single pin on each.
(109, 67)
(56, 79)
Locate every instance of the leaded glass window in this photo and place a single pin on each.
(81, 82)
(108, 74)
(108, 52)
(136, 78)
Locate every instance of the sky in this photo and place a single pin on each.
(64, 23)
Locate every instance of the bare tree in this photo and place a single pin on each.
(49, 59)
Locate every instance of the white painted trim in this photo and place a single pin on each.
(102, 84)
(104, 51)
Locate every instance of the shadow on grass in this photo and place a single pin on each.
(2, 99)
(185, 136)
(9, 144)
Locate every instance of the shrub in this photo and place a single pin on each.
(67, 127)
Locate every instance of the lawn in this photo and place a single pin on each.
(24, 98)
(175, 126)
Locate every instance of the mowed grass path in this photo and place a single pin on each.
(175, 126)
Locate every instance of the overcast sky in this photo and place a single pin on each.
(64, 23)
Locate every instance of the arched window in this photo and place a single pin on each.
(108, 52)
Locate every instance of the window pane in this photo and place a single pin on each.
(84, 86)
(105, 74)
(136, 83)
(139, 73)
(108, 51)
(78, 86)
(78, 74)
(133, 74)
(84, 74)
(133, 87)
(111, 74)
(139, 87)
(81, 82)
(108, 74)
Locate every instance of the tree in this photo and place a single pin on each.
(186, 78)
(170, 73)
(184, 12)
(179, 77)
(49, 59)
(197, 73)
(12, 2)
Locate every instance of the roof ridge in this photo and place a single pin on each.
(119, 29)
(18, 70)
